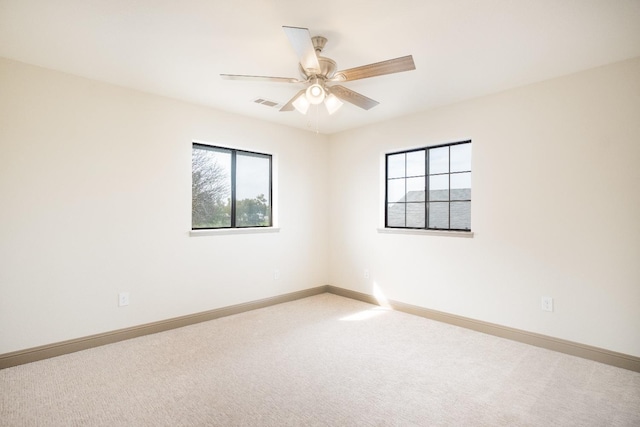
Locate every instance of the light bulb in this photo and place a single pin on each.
(316, 91)
(315, 94)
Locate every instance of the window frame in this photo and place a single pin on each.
(427, 201)
(233, 178)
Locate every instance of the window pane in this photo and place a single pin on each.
(210, 188)
(439, 160)
(252, 190)
(439, 215)
(395, 190)
(461, 157)
(415, 189)
(439, 187)
(461, 186)
(415, 215)
(395, 214)
(461, 215)
(415, 163)
(395, 166)
(433, 196)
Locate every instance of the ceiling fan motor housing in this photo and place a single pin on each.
(327, 69)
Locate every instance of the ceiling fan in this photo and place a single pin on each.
(320, 76)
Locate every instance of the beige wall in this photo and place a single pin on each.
(95, 196)
(95, 199)
(555, 211)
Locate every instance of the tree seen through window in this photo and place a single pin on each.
(230, 188)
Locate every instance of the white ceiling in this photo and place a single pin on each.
(462, 48)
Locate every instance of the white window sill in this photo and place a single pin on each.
(467, 234)
(223, 231)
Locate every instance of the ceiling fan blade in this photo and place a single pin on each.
(261, 78)
(353, 97)
(289, 105)
(300, 39)
(389, 66)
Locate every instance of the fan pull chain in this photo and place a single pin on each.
(310, 122)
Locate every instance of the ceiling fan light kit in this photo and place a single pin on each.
(315, 93)
(318, 72)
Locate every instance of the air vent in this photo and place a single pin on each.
(266, 102)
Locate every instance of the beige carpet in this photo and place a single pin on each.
(319, 361)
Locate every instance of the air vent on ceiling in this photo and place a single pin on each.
(266, 102)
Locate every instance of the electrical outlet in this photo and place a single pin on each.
(366, 273)
(547, 304)
(123, 299)
(276, 274)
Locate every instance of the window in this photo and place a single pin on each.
(229, 188)
(429, 188)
